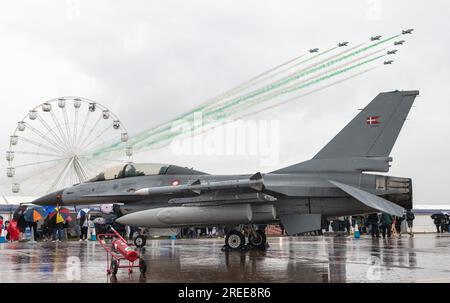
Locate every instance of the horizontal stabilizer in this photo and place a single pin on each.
(371, 200)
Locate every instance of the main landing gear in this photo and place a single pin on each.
(235, 239)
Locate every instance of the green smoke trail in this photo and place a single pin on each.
(305, 94)
(140, 140)
(277, 92)
(265, 89)
(293, 77)
(169, 136)
(298, 75)
(256, 80)
(301, 86)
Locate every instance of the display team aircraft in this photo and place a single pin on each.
(333, 183)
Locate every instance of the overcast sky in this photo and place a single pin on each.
(151, 60)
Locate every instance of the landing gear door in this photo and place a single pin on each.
(296, 224)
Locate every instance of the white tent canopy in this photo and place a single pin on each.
(15, 200)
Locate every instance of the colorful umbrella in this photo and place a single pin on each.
(106, 208)
(83, 212)
(59, 215)
(34, 213)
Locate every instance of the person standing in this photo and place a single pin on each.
(409, 221)
(59, 231)
(437, 218)
(13, 231)
(398, 225)
(372, 220)
(386, 225)
(84, 228)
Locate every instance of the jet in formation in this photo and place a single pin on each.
(388, 62)
(373, 38)
(399, 42)
(340, 44)
(391, 52)
(314, 50)
(342, 179)
(407, 31)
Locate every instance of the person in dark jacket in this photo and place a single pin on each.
(409, 221)
(386, 225)
(372, 221)
(59, 229)
(83, 227)
(21, 224)
(437, 220)
(398, 225)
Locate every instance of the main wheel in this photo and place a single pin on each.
(140, 241)
(114, 267)
(142, 266)
(235, 240)
(258, 240)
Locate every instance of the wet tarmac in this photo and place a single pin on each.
(424, 258)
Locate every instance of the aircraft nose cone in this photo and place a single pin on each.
(50, 199)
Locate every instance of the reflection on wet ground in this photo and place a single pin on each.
(424, 258)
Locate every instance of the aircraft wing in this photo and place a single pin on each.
(370, 200)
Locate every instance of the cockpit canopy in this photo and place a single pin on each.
(128, 170)
(131, 170)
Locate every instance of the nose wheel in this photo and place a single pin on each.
(140, 241)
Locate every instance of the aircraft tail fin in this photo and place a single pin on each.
(365, 143)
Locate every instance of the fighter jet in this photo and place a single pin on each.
(388, 62)
(340, 180)
(340, 44)
(407, 31)
(373, 38)
(399, 42)
(314, 50)
(391, 52)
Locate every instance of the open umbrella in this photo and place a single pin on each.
(34, 213)
(83, 212)
(59, 215)
(106, 208)
(19, 212)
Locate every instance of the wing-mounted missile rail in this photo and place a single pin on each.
(255, 182)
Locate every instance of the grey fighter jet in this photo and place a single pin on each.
(407, 31)
(373, 38)
(388, 62)
(340, 180)
(314, 50)
(340, 44)
(399, 42)
(391, 52)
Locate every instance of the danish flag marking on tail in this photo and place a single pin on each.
(373, 120)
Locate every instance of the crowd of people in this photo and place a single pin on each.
(375, 224)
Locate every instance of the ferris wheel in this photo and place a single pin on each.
(56, 145)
